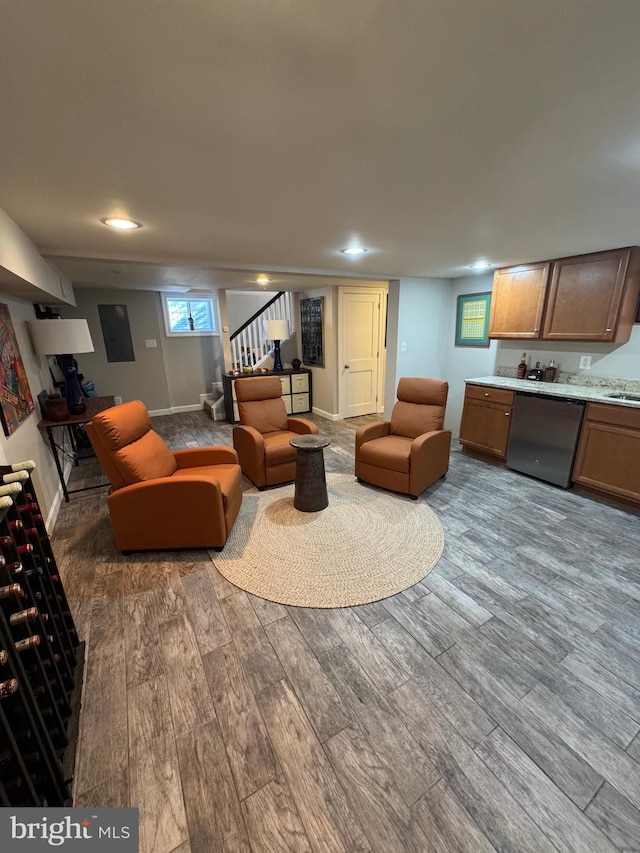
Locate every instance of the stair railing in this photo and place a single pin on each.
(248, 343)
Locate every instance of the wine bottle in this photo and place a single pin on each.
(522, 367)
(27, 643)
(12, 589)
(23, 616)
(4, 657)
(7, 688)
(29, 507)
(16, 524)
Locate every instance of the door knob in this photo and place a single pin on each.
(347, 366)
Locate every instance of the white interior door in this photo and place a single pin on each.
(360, 341)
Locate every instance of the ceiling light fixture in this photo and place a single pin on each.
(354, 250)
(263, 279)
(121, 224)
(480, 265)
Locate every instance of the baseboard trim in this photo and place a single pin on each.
(176, 410)
(327, 415)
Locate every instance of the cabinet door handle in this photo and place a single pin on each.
(347, 366)
(507, 414)
(536, 330)
(486, 393)
(608, 330)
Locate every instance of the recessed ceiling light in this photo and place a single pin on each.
(121, 224)
(263, 279)
(481, 265)
(354, 250)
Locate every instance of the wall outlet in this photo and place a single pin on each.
(403, 346)
(150, 343)
(117, 401)
(585, 362)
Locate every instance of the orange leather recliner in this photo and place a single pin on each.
(162, 499)
(262, 440)
(410, 452)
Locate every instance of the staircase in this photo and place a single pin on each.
(248, 344)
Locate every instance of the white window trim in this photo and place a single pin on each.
(211, 297)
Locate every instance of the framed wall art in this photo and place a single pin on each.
(16, 403)
(472, 320)
(311, 316)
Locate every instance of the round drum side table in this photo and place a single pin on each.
(311, 484)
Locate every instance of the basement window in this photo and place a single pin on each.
(185, 317)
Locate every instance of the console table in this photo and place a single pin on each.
(94, 405)
(296, 391)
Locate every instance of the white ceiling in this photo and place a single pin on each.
(266, 135)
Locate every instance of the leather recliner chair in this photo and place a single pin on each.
(410, 452)
(162, 499)
(262, 440)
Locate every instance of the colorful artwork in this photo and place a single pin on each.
(16, 403)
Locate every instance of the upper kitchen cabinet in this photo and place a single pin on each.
(517, 301)
(583, 298)
(593, 297)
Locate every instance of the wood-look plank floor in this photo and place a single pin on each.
(493, 706)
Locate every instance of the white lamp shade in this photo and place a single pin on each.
(60, 337)
(276, 330)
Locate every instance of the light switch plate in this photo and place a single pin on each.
(150, 343)
(403, 346)
(585, 362)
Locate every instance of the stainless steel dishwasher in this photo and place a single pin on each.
(543, 437)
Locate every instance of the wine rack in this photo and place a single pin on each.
(41, 658)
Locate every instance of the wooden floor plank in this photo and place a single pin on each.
(616, 817)
(273, 822)
(490, 805)
(249, 750)
(213, 810)
(559, 818)
(205, 614)
(457, 706)
(256, 652)
(447, 825)
(328, 820)
(375, 719)
(317, 695)
(155, 776)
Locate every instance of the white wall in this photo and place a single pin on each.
(463, 363)
(242, 304)
(422, 307)
(171, 375)
(611, 361)
(27, 442)
(23, 263)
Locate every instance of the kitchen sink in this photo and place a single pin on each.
(620, 395)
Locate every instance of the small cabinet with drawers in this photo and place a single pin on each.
(296, 391)
(486, 420)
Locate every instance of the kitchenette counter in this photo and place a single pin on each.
(585, 393)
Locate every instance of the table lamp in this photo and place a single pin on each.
(276, 331)
(63, 338)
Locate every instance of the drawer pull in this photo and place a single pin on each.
(608, 330)
(486, 393)
(506, 414)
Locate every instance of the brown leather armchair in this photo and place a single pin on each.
(161, 499)
(410, 452)
(262, 440)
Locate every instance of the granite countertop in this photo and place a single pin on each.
(557, 389)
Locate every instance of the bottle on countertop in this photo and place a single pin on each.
(550, 371)
(536, 373)
(522, 367)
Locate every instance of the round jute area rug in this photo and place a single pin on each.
(366, 545)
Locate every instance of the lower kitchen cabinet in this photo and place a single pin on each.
(608, 457)
(486, 420)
